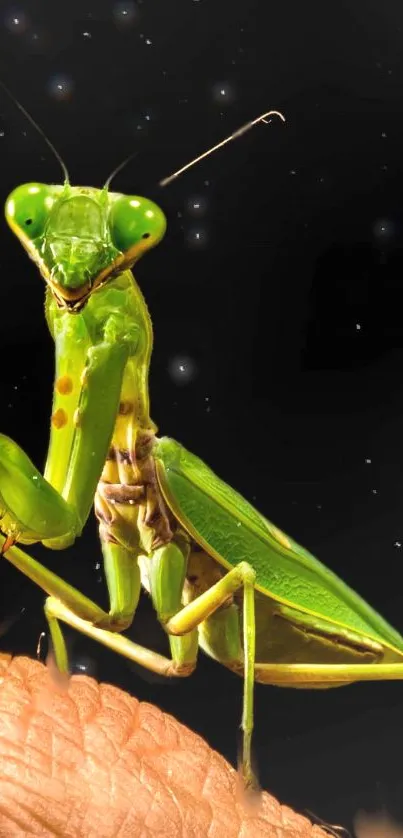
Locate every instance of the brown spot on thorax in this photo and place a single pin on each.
(59, 418)
(64, 385)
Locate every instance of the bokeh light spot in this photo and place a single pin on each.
(197, 238)
(182, 369)
(224, 93)
(16, 21)
(60, 87)
(125, 14)
(197, 205)
(383, 229)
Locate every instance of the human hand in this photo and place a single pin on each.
(87, 760)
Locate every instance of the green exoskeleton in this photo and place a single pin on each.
(220, 575)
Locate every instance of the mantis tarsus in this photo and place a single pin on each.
(220, 575)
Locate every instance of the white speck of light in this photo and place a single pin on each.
(182, 369)
(60, 87)
(134, 203)
(150, 214)
(374, 491)
(196, 205)
(196, 238)
(397, 544)
(17, 22)
(358, 327)
(383, 228)
(223, 92)
(82, 666)
(368, 461)
(125, 14)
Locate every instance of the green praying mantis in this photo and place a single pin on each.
(220, 575)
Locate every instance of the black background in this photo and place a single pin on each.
(285, 294)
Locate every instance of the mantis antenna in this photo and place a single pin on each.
(118, 169)
(39, 130)
(244, 128)
(248, 125)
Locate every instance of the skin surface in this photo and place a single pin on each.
(378, 825)
(80, 759)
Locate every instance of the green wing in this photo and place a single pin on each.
(232, 530)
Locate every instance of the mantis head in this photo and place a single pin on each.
(80, 237)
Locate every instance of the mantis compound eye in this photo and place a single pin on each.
(136, 224)
(27, 210)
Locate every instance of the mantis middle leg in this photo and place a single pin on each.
(167, 564)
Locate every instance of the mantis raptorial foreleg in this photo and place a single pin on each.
(42, 508)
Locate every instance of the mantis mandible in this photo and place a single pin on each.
(219, 574)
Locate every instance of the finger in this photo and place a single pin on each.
(84, 759)
(376, 825)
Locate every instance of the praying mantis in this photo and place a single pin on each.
(220, 575)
